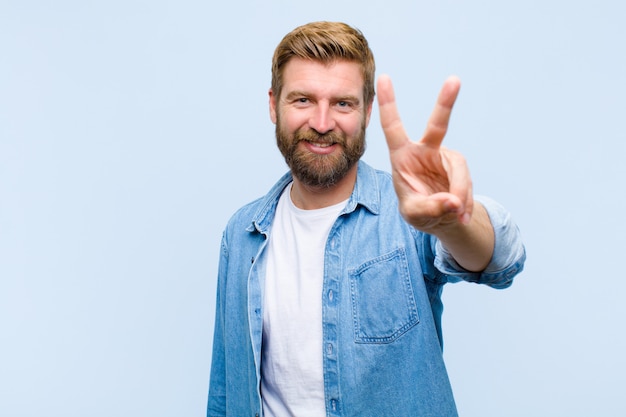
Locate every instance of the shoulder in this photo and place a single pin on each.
(245, 214)
(258, 213)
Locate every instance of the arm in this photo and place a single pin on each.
(472, 244)
(508, 257)
(216, 405)
(433, 183)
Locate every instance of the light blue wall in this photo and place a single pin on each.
(131, 130)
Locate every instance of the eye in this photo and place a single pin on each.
(301, 102)
(345, 105)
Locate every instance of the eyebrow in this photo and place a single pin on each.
(295, 94)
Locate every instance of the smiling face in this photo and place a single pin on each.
(320, 120)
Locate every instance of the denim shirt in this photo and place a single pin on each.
(381, 306)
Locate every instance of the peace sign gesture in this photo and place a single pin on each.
(432, 182)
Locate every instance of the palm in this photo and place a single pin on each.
(418, 169)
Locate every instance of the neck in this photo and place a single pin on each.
(307, 197)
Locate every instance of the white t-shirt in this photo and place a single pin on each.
(292, 380)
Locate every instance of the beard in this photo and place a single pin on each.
(320, 171)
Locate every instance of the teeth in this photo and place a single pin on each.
(320, 145)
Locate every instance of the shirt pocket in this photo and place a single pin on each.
(383, 302)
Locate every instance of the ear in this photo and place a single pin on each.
(272, 106)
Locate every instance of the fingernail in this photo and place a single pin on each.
(450, 208)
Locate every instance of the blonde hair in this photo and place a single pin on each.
(325, 42)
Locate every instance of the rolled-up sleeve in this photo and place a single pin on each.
(508, 257)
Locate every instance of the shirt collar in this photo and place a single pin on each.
(366, 193)
(366, 190)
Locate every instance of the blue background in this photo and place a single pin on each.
(131, 130)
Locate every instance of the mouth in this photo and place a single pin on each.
(320, 144)
(320, 147)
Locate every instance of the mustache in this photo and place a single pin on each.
(311, 135)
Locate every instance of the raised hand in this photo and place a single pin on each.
(433, 183)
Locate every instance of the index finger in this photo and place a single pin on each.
(389, 117)
(440, 117)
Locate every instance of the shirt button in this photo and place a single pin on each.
(333, 405)
(330, 295)
(329, 348)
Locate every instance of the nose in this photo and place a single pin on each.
(322, 120)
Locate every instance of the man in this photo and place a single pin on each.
(329, 287)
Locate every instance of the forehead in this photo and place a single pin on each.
(337, 78)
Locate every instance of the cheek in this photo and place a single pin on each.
(352, 127)
(291, 122)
